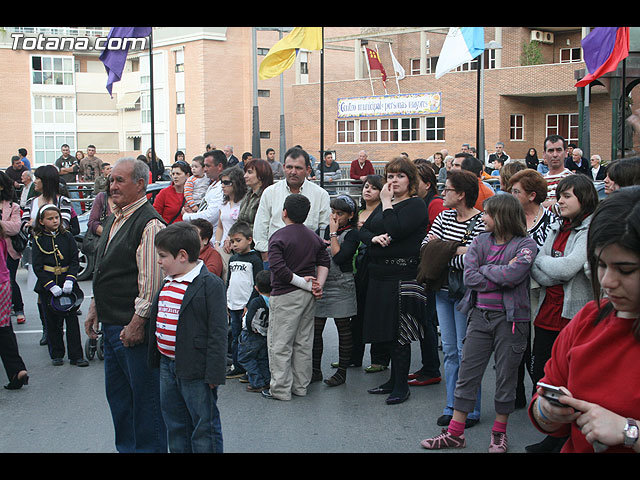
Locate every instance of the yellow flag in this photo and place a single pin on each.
(283, 54)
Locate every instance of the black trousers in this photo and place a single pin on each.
(429, 342)
(9, 352)
(55, 332)
(16, 294)
(542, 344)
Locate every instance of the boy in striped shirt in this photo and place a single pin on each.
(188, 342)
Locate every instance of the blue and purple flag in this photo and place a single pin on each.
(114, 60)
(604, 48)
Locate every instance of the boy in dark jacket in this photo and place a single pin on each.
(252, 347)
(188, 341)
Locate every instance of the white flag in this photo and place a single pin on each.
(396, 66)
(461, 45)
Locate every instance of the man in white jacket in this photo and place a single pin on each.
(269, 215)
(215, 161)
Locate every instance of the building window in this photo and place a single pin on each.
(265, 135)
(434, 129)
(346, 131)
(47, 145)
(565, 125)
(389, 130)
(410, 129)
(431, 64)
(516, 130)
(570, 55)
(52, 70)
(179, 61)
(262, 51)
(415, 66)
(264, 93)
(50, 110)
(304, 63)
(489, 63)
(145, 106)
(179, 103)
(368, 130)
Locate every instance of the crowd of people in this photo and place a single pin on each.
(234, 268)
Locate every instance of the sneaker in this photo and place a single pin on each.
(256, 389)
(79, 363)
(498, 442)
(57, 362)
(244, 378)
(444, 440)
(374, 368)
(235, 373)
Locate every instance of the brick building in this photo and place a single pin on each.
(204, 93)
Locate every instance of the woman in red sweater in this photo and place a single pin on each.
(169, 201)
(596, 357)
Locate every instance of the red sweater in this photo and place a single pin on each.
(168, 204)
(212, 260)
(356, 171)
(597, 364)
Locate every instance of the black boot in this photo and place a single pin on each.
(400, 365)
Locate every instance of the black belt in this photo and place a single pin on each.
(401, 261)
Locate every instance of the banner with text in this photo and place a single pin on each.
(390, 105)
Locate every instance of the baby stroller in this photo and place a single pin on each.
(95, 346)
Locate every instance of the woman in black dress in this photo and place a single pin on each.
(395, 306)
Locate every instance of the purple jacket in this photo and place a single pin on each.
(512, 280)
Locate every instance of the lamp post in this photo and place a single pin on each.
(492, 45)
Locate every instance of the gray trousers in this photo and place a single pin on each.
(489, 332)
(290, 343)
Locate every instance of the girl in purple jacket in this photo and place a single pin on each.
(496, 273)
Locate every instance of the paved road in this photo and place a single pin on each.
(63, 409)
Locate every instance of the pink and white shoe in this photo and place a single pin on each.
(444, 440)
(498, 442)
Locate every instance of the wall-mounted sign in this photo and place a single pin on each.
(390, 105)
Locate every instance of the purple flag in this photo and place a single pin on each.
(114, 60)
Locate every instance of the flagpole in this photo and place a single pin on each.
(383, 82)
(322, 112)
(394, 68)
(153, 137)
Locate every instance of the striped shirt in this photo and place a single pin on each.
(447, 227)
(149, 272)
(493, 300)
(553, 180)
(169, 303)
(195, 189)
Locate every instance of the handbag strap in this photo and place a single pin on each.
(179, 212)
(470, 228)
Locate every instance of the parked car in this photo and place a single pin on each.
(87, 262)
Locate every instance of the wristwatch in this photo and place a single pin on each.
(630, 433)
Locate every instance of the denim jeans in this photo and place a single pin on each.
(254, 358)
(453, 328)
(133, 394)
(235, 318)
(190, 410)
(76, 205)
